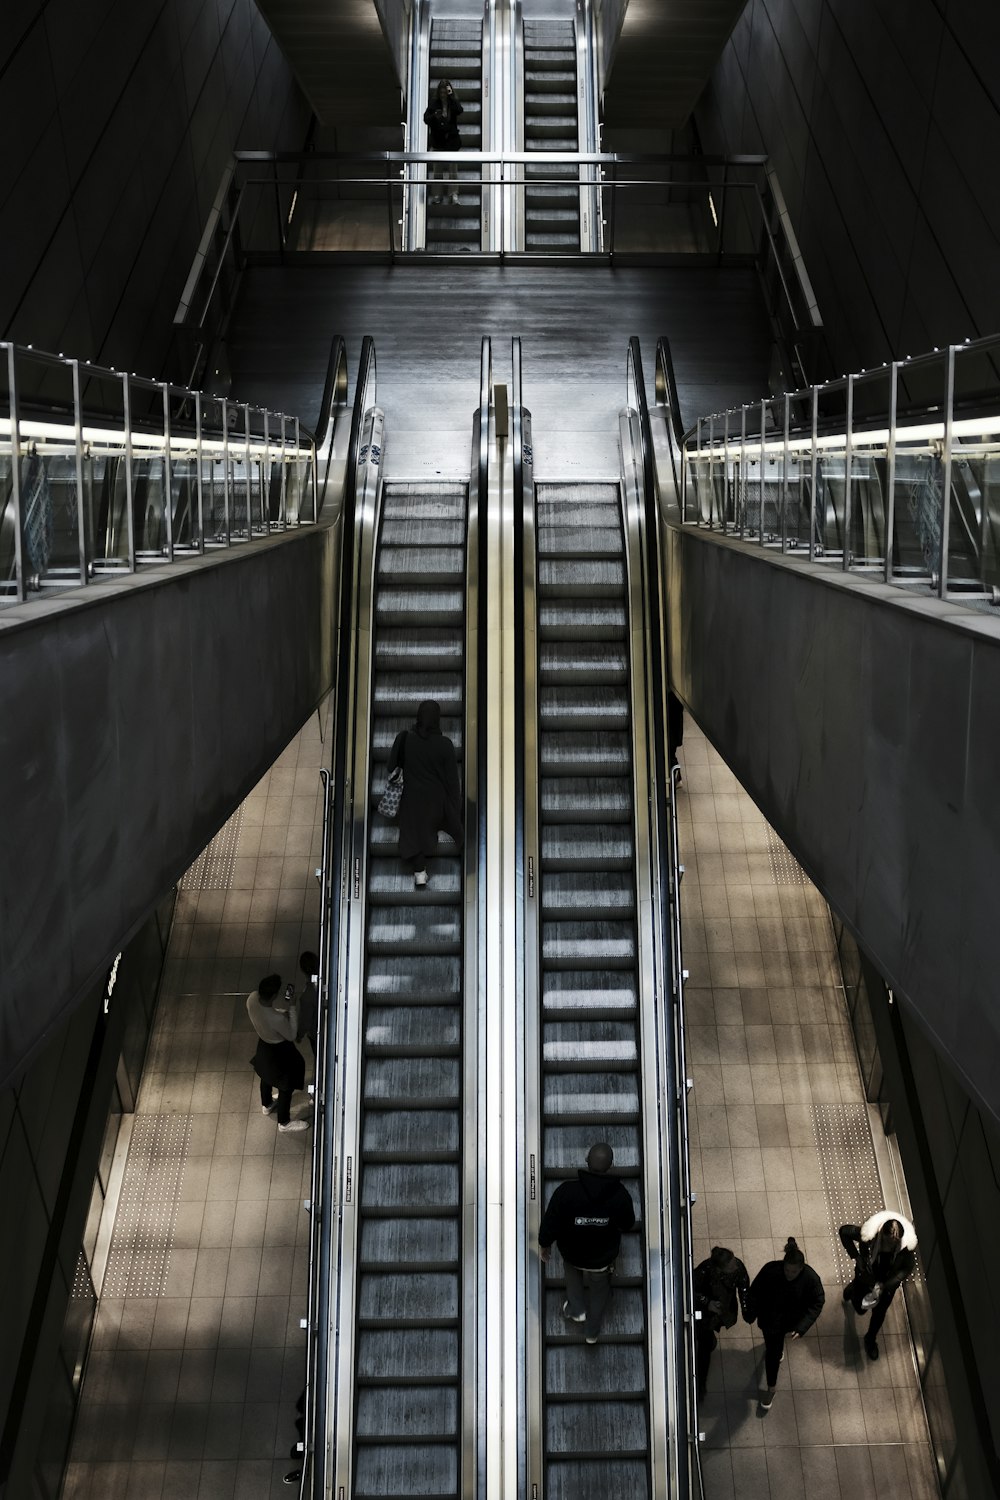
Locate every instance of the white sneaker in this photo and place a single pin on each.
(573, 1317)
(268, 1109)
(766, 1399)
(420, 877)
(294, 1125)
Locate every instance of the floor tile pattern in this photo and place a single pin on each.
(146, 1217)
(781, 1145)
(191, 1383)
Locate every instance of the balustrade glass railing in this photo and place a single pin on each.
(894, 472)
(102, 472)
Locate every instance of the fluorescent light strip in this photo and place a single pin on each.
(114, 438)
(924, 434)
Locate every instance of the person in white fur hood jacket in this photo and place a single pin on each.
(882, 1250)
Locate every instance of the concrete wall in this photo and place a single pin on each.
(864, 723)
(879, 117)
(137, 716)
(117, 118)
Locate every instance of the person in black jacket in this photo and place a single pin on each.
(883, 1251)
(431, 797)
(442, 116)
(586, 1219)
(721, 1284)
(786, 1297)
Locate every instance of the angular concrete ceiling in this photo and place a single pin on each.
(340, 56)
(665, 52)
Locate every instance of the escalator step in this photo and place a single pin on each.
(418, 977)
(414, 929)
(387, 1356)
(601, 1479)
(579, 894)
(400, 1470)
(420, 606)
(567, 708)
(413, 1135)
(402, 503)
(387, 726)
(412, 1082)
(387, 1415)
(590, 1098)
(408, 1243)
(586, 799)
(397, 1298)
(573, 1370)
(403, 692)
(423, 650)
(585, 945)
(566, 1148)
(570, 993)
(421, 1030)
(389, 883)
(625, 1319)
(590, 663)
(422, 565)
(423, 531)
(568, 846)
(589, 1044)
(630, 1271)
(596, 1428)
(572, 577)
(569, 622)
(410, 1188)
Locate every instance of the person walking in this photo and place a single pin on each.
(442, 116)
(786, 1297)
(883, 1250)
(277, 1062)
(307, 1002)
(721, 1285)
(586, 1218)
(431, 797)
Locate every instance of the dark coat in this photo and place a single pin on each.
(729, 1288)
(431, 796)
(586, 1218)
(280, 1064)
(861, 1242)
(784, 1306)
(444, 124)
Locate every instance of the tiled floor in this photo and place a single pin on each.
(772, 1059)
(190, 1392)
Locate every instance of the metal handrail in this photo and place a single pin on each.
(329, 1123)
(676, 1228)
(819, 442)
(114, 417)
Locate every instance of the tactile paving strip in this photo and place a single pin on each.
(213, 869)
(851, 1182)
(785, 869)
(147, 1209)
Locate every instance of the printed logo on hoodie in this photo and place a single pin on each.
(583, 1222)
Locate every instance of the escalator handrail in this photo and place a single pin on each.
(334, 395)
(317, 1398)
(675, 1229)
(666, 395)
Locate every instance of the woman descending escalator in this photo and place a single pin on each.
(431, 795)
(441, 115)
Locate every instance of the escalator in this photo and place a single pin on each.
(456, 53)
(408, 1368)
(551, 209)
(595, 1422)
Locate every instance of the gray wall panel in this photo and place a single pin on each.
(138, 718)
(92, 94)
(902, 105)
(864, 727)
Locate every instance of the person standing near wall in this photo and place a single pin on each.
(277, 1062)
(883, 1250)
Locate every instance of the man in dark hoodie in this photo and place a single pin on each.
(586, 1218)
